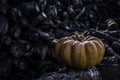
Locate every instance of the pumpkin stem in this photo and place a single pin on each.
(79, 36)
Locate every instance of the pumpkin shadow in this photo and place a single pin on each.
(109, 68)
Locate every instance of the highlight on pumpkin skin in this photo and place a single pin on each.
(100, 49)
(95, 38)
(91, 49)
(66, 55)
(58, 46)
(79, 54)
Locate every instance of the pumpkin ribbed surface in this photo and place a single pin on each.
(79, 52)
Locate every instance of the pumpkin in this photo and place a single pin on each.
(79, 52)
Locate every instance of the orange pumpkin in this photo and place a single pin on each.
(79, 52)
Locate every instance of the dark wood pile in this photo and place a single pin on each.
(28, 28)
